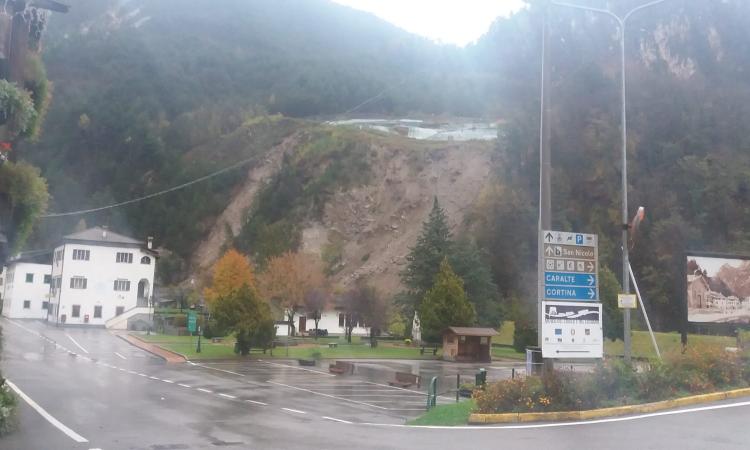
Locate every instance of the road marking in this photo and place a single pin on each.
(154, 378)
(301, 368)
(565, 424)
(336, 420)
(183, 385)
(120, 355)
(220, 370)
(227, 395)
(142, 375)
(327, 395)
(256, 402)
(76, 342)
(205, 390)
(168, 381)
(294, 410)
(42, 412)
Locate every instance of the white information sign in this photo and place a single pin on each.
(627, 301)
(572, 330)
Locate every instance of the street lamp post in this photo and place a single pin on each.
(621, 23)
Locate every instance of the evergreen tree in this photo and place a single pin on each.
(243, 312)
(423, 262)
(468, 261)
(445, 304)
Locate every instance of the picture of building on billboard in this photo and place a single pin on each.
(718, 289)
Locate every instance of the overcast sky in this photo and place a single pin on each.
(450, 21)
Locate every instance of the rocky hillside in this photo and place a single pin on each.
(364, 228)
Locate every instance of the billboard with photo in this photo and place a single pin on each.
(718, 289)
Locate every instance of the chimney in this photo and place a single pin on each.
(104, 231)
(150, 244)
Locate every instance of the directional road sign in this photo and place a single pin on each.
(571, 266)
(192, 322)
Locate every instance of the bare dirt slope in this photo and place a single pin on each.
(372, 225)
(379, 222)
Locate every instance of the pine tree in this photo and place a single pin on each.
(423, 262)
(445, 304)
(468, 261)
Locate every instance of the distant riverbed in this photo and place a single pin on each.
(424, 130)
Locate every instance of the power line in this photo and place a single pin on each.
(150, 196)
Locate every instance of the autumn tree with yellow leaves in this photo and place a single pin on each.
(230, 273)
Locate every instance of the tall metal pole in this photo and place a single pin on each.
(621, 22)
(544, 174)
(625, 260)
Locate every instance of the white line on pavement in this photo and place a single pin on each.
(120, 355)
(257, 403)
(301, 368)
(227, 395)
(184, 385)
(566, 424)
(154, 378)
(205, 390)
(168, 381)
(220, 370)
(336, 420)
(294, 410)
(327, 395)
(42, 412)
(76, 342)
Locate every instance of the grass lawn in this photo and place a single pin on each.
(668, 342)
(454, 414)
(507, 353)
(186, 345)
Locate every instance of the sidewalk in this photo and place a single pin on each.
(168, 356)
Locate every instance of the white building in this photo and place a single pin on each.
(25, 288)
(97, 275)
(331, 320)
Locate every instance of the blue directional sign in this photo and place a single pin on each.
(569, 266)
(570, 293)
(569, 279)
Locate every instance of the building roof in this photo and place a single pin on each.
(99, 234)
(472, 331)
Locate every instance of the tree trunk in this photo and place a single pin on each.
(290, 319)
(317, 321)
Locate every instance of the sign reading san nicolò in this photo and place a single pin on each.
(571, 269)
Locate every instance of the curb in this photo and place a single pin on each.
(167, 355)
(480, 419)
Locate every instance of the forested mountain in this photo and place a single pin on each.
(149, 94)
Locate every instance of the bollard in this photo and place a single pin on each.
(512, 373)
(432, 394)
(458, 386)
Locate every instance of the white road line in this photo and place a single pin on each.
(257, 403)
(205, 390)
(565, 424)
(404, 389)
(227, 395)
(327, 395)
(294, 410)
(76, 342)
(120, 355)
(154, 378)
(142, 375)
(184, 385)
(336, 420)
(168, 381)
(301, 368)
(220, 370)
(42, 412)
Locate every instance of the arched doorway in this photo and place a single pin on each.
(144, 291)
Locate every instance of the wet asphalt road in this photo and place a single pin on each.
(117, 397)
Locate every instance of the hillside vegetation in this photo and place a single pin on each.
(152, 94)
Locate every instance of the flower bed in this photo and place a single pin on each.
(699, 370)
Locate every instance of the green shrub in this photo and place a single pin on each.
(407, 341)
(698, 370)
(524, 335)
(8, 405)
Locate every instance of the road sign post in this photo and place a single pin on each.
(570, 319)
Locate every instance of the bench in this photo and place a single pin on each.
(333, 344)
(428, 348)
(341, 367)
(217, 340)
(404, 380)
